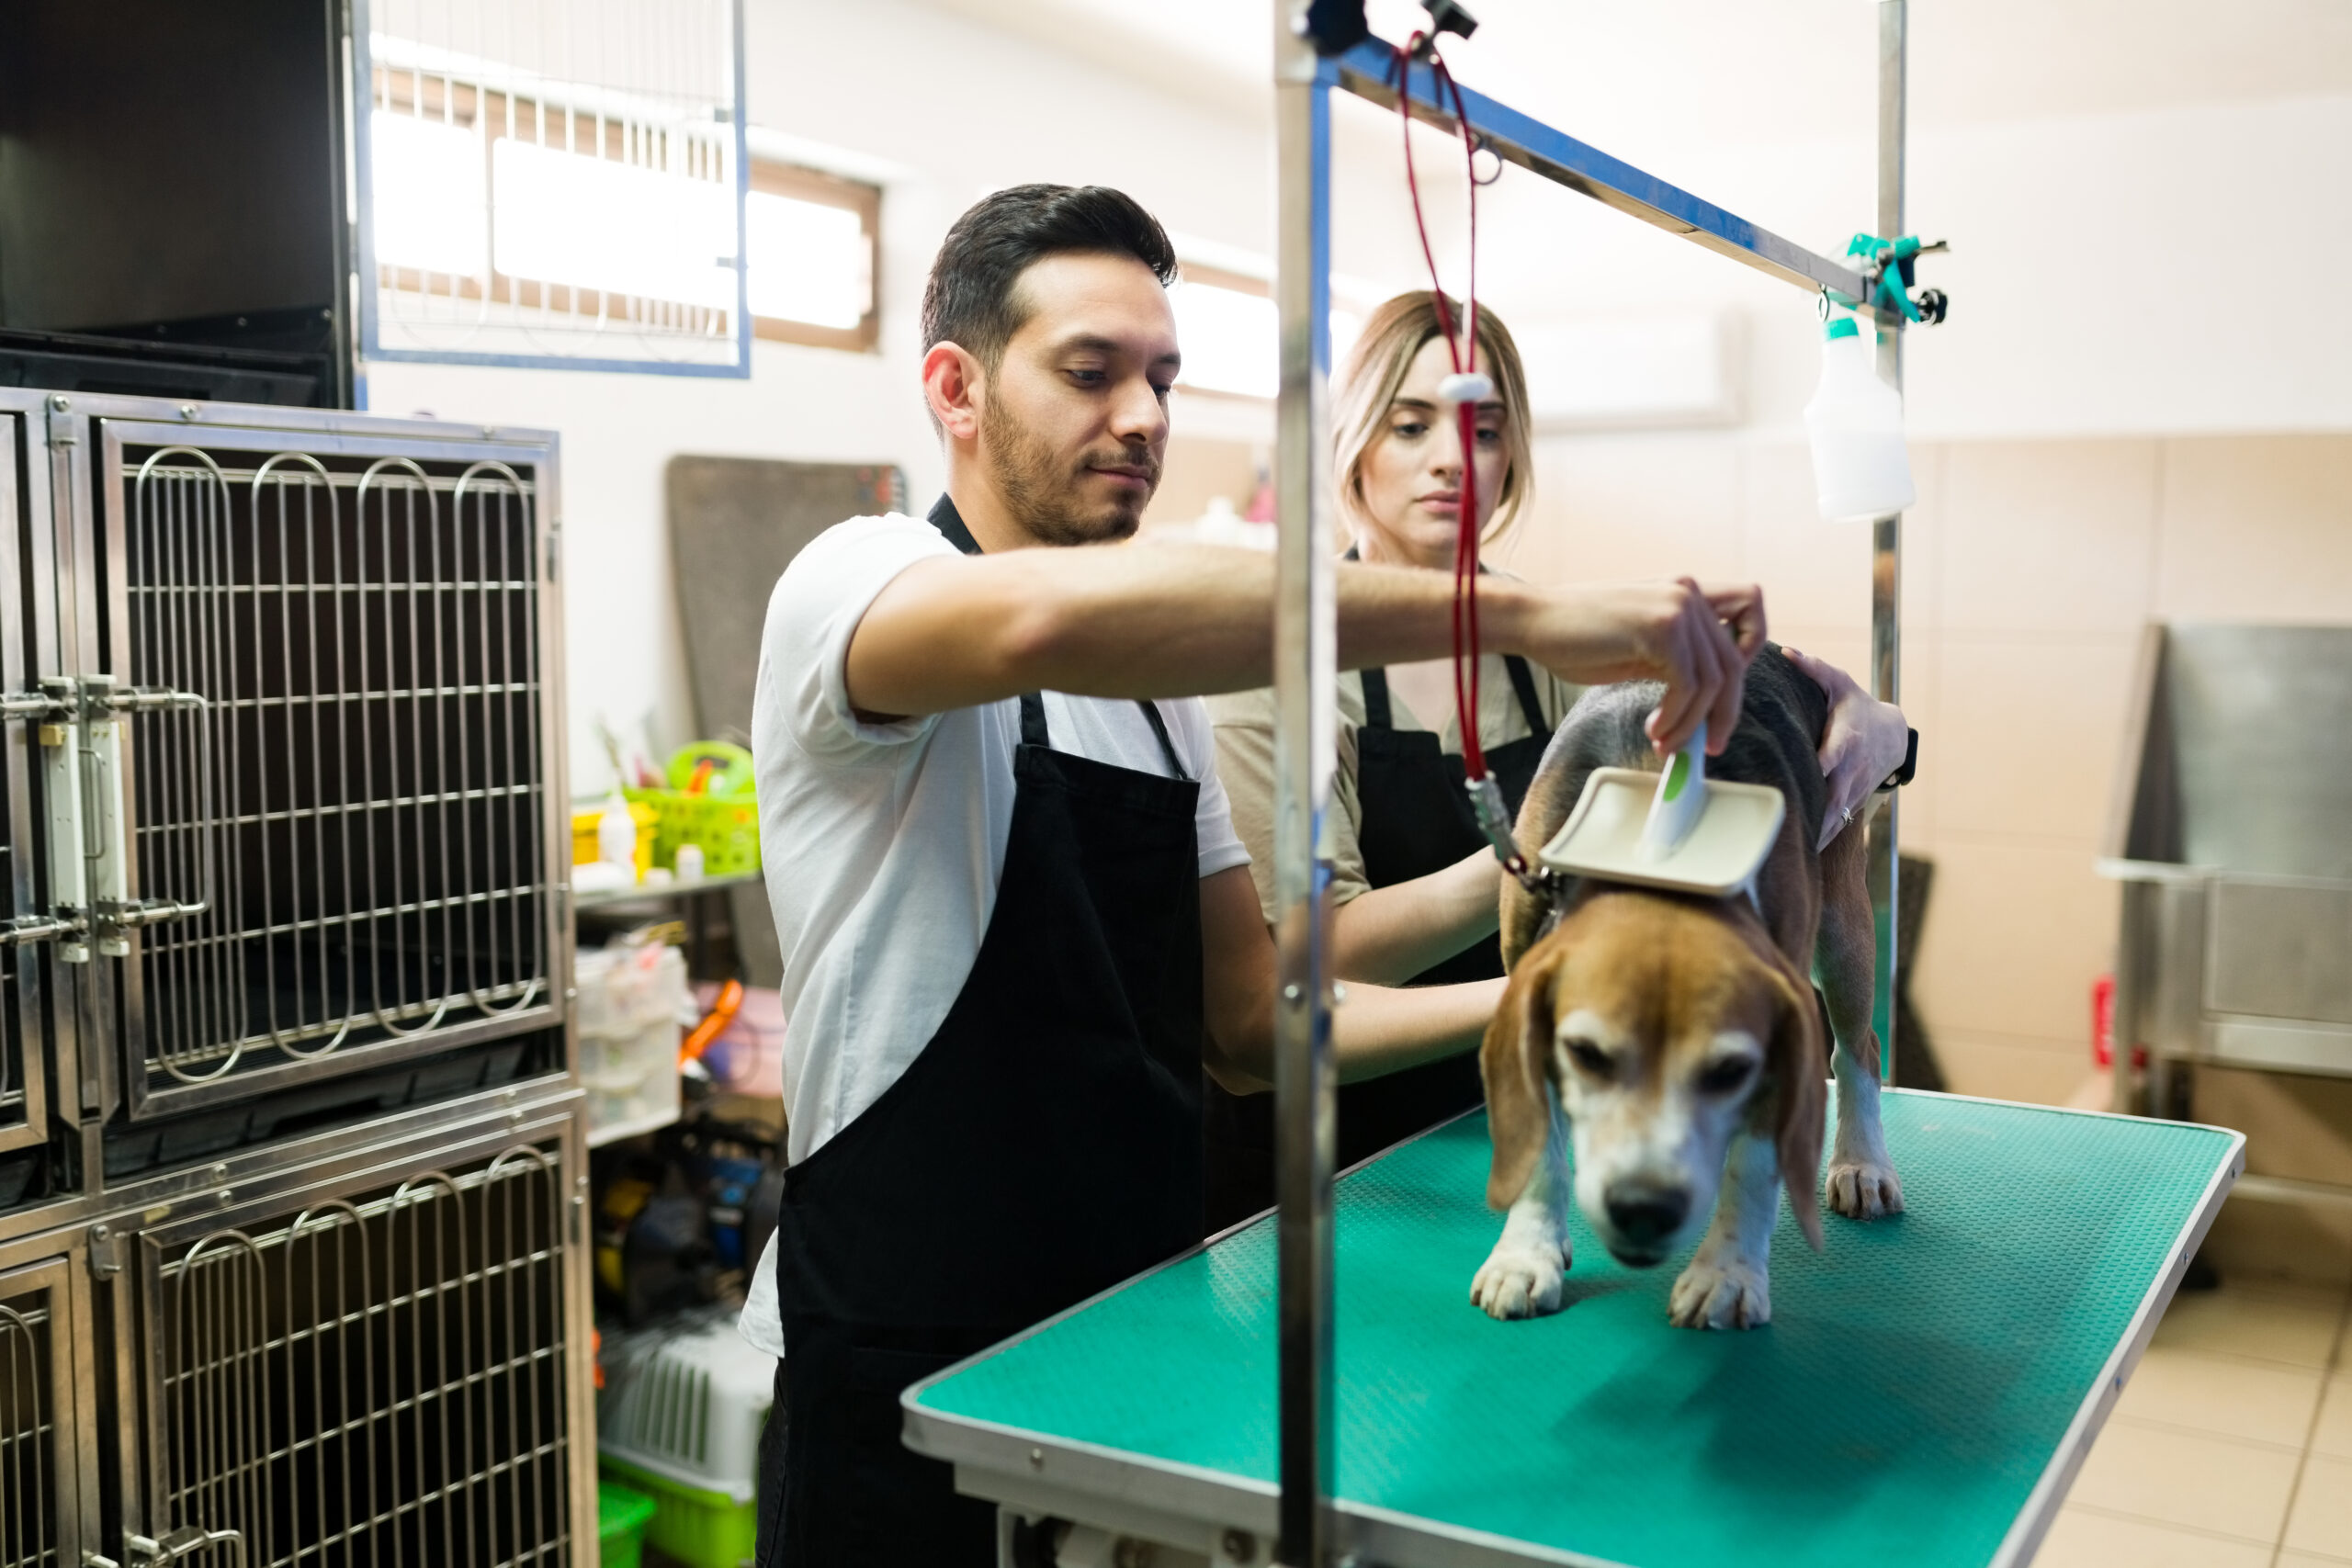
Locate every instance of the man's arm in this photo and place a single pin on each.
(1162, 620)
(1379, 1031)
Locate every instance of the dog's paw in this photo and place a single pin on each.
(1863, 1188)
(1518, 1280)
(1713, 1294)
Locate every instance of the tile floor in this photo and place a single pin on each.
(2232, 1446)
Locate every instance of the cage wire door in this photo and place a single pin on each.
(46, 1429)
(24, 1088)
(337, 839)
(552, 183)
(382, 1372)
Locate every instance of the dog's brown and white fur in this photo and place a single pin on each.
(1675, 1042)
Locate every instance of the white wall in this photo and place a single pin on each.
(2137, 273)
(2157, 271)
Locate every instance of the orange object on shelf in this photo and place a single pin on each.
(722, 1013)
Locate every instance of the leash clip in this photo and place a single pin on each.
(1494, 822)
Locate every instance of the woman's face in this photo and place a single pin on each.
(1411, 473)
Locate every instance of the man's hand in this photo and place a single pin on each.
(1862, 744)
(1697, 639)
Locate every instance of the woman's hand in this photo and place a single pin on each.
(1864, 741)
(1697, 639)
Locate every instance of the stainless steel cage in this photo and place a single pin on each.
(45, 1426)
(292, 725)
(348, 816)
(24, 1067)
(388, 1366)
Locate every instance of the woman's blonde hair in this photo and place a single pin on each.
(1376, 368)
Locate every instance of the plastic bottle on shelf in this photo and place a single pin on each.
(616, 835)
(1861, 467)
(689, 863)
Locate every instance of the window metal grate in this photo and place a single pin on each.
(27, 1440)
(553, 186)
(361, 803)
(378, 1382)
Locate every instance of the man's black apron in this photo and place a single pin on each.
(1046, 1144)
(1414, 818)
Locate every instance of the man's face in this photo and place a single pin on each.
(1074, 422)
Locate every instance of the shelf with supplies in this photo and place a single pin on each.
(652, 892)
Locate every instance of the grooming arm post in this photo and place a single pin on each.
(1886, 533)
(1306, 696)
(1369, 72)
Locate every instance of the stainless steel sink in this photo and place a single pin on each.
(2231, 831)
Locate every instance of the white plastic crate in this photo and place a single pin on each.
(690, 1410)
(630, 1002)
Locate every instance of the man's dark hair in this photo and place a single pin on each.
(972, 297)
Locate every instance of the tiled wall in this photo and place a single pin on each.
(2029, 569)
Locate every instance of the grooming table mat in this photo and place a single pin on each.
(1924, 1393)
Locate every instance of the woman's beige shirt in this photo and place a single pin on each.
(1245, 761)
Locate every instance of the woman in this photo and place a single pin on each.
(1416, 887)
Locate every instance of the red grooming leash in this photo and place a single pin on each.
(1486, 797)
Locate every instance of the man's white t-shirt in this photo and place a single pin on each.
(883, 843)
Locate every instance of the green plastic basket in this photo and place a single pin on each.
(622, 1514)
(727, 831)
(699, 1528)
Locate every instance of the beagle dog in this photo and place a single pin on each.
(1675, 1042)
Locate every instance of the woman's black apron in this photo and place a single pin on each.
(1414, 818)
(1046, 1144)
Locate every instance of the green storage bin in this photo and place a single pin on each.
(727, 831)
(622, 1514)
(701, 1528)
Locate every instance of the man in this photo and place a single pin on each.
(1018, 926)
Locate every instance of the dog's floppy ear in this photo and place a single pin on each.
(1519, 1040)
(1800, 1067)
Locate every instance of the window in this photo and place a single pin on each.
(1227, 328)
(811, 240)
(465, 217)
(555, 186)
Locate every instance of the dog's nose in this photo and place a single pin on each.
(1644, 1213)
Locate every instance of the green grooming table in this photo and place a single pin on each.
(1924, 1394)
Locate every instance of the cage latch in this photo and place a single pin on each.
(149, 1552)
(34, 927)
(107, 852)
(143, 699)
(33, 704)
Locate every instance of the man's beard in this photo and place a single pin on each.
(1041, 490)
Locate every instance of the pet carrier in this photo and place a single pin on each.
(681, 1419)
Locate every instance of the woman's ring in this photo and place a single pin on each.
(1848, 812)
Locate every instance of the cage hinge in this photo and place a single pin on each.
(150, 1553)
(105, 1252)
(64, 429)
(554, 552)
